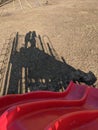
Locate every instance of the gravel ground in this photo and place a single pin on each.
(71, 25)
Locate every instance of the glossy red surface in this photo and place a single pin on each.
(74, 109)
(71, 93)
(85, 120)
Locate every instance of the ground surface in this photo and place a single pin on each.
(71, 25)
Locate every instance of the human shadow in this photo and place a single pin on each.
(33, 68)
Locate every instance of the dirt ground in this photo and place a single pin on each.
(71, 25)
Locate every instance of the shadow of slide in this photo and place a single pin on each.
(36, 66)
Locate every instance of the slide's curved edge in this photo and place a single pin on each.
(92, 98)
(74, 120)
(20, 110)
(11, 100)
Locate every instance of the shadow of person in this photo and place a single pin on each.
(34, 69)
(30, 38)
(33, 40)
(27, 38)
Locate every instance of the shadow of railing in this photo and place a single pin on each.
(37, 66)
(4, 59)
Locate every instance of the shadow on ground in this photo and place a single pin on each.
(36, 66)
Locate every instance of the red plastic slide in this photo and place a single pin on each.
(74, 109)
(74, 93)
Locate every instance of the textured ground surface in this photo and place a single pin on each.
(71, 25)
